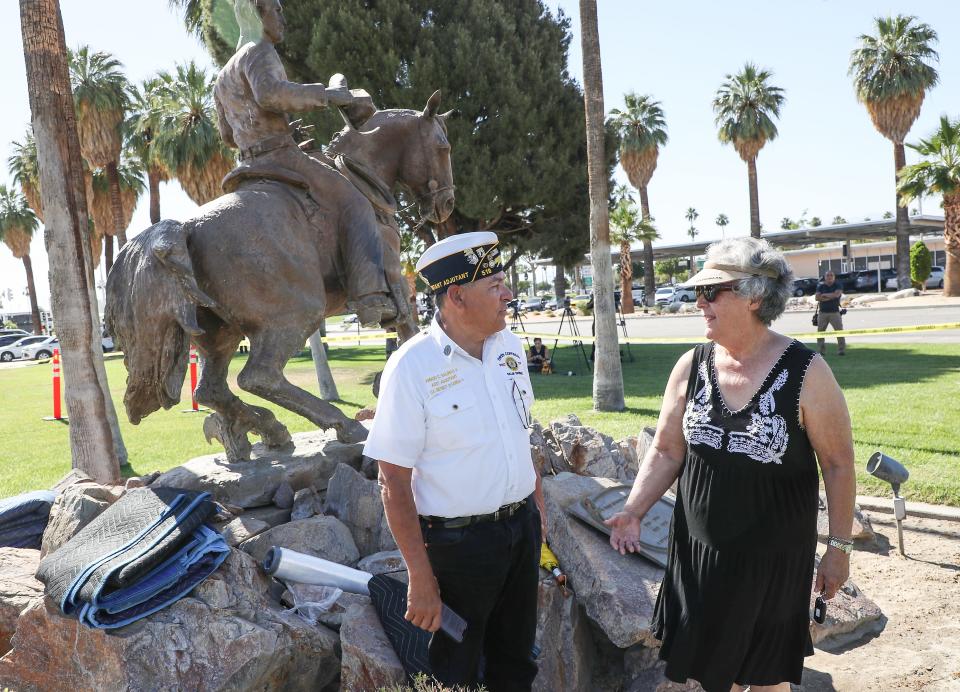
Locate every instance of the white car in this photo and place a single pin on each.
(41, 349)
(17, 348)
(935, 280)
(674, 294)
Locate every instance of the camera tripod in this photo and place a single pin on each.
(516, 319)
(568, 318)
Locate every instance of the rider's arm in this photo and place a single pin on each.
(274, 92)
(226, 132)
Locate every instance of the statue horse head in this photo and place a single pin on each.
(409, 149)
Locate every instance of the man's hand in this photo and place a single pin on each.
(625, 536)
(423, 603)
(833, 571)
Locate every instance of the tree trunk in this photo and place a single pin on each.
(513, 276)
(626, 279)
(559, 289)
(32, 292)
(153, 181)
(95, 445)
(107, 253)
(328, 388)
(649, 276)
(754, 198)
(116, 205)
(951, 242)
(903, 221)
(607, 373)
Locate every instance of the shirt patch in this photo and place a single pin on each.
(510, 361)
(443, 381)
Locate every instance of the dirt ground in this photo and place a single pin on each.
(919, 646)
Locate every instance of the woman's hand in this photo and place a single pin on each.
(625, 536)
(833, 571)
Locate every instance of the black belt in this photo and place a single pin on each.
(504, 512)
(267, 145)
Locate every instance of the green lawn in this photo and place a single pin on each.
(920, 381)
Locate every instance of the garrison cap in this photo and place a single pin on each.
(460, 259)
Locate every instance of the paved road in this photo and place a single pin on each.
(671, 326)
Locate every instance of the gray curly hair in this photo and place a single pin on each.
(753, 253)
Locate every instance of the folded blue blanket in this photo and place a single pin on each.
(24, 517)
(144, 552)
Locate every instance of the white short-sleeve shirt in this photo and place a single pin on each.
(460, 423)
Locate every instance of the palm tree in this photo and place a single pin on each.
(642, 132)
(25, 171)
(188, 141)
(891, 73)
(745, 106)
(939, 171)
(722, 221)
(95, 442)
(838, 221)
(608, 375)
(691, 216)
(140, 130)
(100, 206)
(101, 94)
(18, 223)
(623, 220)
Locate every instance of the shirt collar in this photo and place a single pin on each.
(448, 347)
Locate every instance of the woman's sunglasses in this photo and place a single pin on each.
(710, 292)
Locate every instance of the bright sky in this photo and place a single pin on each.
(828, 160)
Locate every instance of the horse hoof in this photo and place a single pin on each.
(351, 432)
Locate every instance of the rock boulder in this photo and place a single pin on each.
(368, 659)
(618, 592)
(253, 483)
(228, 634)
(356, 501)
(325, 537)
(18, 587)
(565, 641)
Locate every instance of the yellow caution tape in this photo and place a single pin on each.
(585, 338)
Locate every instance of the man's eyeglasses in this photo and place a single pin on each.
(710, 292)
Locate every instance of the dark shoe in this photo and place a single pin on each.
(841, 353)
(374, 309)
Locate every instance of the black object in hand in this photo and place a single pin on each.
(819, 610)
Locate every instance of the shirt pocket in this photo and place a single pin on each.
(452, 420)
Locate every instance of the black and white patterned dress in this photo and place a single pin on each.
(734, 603)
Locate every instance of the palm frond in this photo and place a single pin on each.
(18, 223)
(744, 108)
(101, 94)
(895, 61)
(939, 170)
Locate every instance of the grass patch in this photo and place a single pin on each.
(904, 400)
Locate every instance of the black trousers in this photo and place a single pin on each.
(488, 573)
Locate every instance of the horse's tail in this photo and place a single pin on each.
(151, 311)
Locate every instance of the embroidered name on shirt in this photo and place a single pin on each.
(443, 381)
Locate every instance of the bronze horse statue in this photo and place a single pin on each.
(262, 262)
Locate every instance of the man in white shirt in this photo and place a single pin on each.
(461, 493)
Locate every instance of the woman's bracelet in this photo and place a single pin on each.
(842, 544)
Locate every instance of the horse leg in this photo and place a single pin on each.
(263, 376)
(233, 418)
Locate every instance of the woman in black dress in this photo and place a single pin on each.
(746, 418)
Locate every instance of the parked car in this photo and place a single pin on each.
(673, 294)
(806, 286)
(867, 279)
(15, 350)
(550, 304)
(41, 349)
(535, 303)
(847, 281)
(935, 280)
(9, 339)
(638, 296)
(19, 333)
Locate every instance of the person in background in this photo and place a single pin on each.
(746, 418)
(828, 298)
(538, 360)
